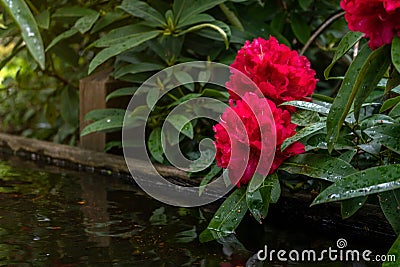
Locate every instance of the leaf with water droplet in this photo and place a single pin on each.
(387, 135)
(306, 131)
(227, 217)
(23, 17)
(351, 206)
(362, 183)
(390, 205)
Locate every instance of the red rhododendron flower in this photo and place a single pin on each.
(256, 141)
(280, 73)
(379, 20)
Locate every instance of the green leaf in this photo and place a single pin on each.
(138, 68)
(304, 117)
(121, 92)
(182, 124)
(220, 27)
(258, 201)
(388, 104)
(276, 188)
(318, 166)
(393, 252)
(197, 19)
(155, 145)
(300, 28)
(308, 106)
(306, 131)
(208, 177)
(213, 93)
(122, 34)
(114, 50)
(142, 10)
(227, 217)
(345, 96)
(69, 109)
(362, 183)
(351, 206)
(23, 17)
(189, 8)
(396, 52)
(185, 79)
(377, 64)
(184, 99)
(347, 42)
(348, 155)
(67, 34)
(85, 23)
(152, 96)
(390, 205)
(98, 114)
(387, 135)
(109, 124)
(106, 20)
(395, 112)
(43, 19)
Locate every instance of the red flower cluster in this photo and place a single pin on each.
(280, 73)
(253, 126)
(379, 20)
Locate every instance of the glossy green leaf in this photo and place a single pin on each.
(137, 68)
(186, 9)
(362, 183)
(23, 17)
(182, 124)
(197, 19)
(308, 106)
(393, 254)
(185, 79)
(388, 104)
(155, 145)
(347, 42)
(377, 64)
(345, 96)
(227, 217)
(144, 11)
(126, 91)
(208, 177)
(114, 50)
(121, 34)
(387, 135)
(350, 206)
(304, 117)
(300, 27)
(390, 205)
(98, 114)
(376, 120)
(318, 166)
(108, 124)
(306, 131)
(348, 155)
(396, 52)
(85, 23)
(395, 112)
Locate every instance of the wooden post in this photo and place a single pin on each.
(93, 91)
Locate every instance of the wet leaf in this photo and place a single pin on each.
(155, 145)
(121, 92)
(227, 217)
(347, 42)
(318, 166)
(306, 131)
(351, 206)
(98, 114)
(182, 124)
(348, 155)
(390, 205)
(387, 135)
(345, 96)
(362, 183)
(108, 124)
(23, 17)
(308, 106)
(304, 117)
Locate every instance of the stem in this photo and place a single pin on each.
(230, 15)
(321, 28)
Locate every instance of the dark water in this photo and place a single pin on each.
(54, 217)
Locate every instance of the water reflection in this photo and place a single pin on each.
(60, 218)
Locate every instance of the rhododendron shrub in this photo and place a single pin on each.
(280, 73)
(379, 20)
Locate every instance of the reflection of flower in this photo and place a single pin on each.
(280, 73)
(233, 145)
(379, 20)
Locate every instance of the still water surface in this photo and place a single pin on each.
(55, 217)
